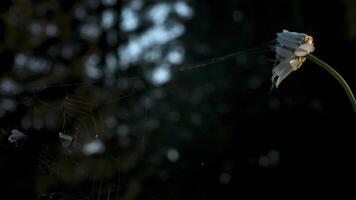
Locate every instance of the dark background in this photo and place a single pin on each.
(233, 137)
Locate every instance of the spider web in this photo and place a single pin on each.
(82, 108)
(78, 105)
(82, 111)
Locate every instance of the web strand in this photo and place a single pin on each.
(264, 47)
(34, 89)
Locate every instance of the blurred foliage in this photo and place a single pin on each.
(107, 70)
(350, 19)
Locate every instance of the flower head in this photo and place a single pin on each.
(291, 51)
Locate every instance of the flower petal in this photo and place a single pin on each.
(283, 53)
(287, 43)
(292, 36)
(303, 50)
(291, 39)
(282, 70)
(299, 36)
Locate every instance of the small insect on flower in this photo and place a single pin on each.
(16, 137)
(291, 51)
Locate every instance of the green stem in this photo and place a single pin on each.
(336, 75)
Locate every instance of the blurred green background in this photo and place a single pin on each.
(106, 74)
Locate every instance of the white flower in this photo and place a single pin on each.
(291, 49)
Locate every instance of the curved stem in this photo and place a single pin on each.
(337, 76)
